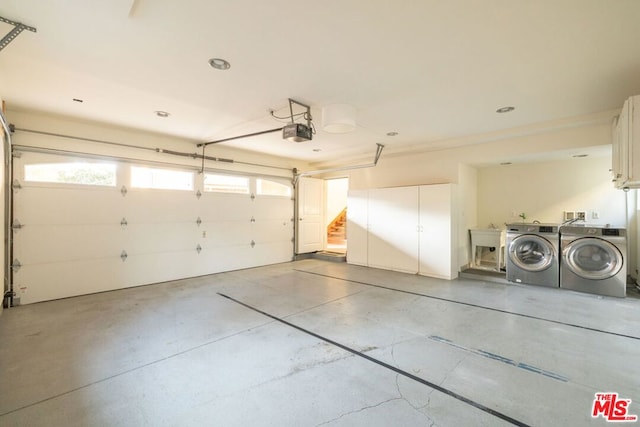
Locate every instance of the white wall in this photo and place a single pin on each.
(544, 190)
(433, 167)
(459, 164)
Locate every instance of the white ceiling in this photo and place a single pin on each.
(431, 70)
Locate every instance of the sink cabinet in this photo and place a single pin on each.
(483, 238)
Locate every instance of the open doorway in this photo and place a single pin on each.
(336, 214)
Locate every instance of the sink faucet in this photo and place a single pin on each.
(570, 221)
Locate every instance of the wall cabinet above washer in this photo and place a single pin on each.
(625, 165)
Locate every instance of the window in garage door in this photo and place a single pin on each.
(81, 236)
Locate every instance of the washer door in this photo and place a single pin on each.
(592, 258)
(530, 252)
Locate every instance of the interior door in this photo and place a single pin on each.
(311, 230)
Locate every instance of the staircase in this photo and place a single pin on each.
(337, 230)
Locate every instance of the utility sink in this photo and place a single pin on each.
(492, 238)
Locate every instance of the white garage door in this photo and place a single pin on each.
(84, 226)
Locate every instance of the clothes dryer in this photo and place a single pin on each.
(593, 260)
(533, 254)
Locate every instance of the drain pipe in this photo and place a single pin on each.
(379, 149)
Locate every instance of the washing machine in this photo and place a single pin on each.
(593, 260)
(533, 254)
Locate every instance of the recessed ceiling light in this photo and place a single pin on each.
(219, 64)
(580, 155)
(505, 109)
(162, 114)
(392, 133)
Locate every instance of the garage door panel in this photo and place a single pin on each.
(161, 206)
(273, 252)
(36, 205)
(223, 207)
(36, 244)
(227, 258)
(273, 208)
(273, 230)
(43, 282)
(143, 269)
(227, 233)
(160, 237)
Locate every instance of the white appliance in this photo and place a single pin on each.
(533, 254)
(593, 260)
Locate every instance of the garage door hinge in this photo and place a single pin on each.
(253, 197)
(253, 244)
(123, 256)
(253, 219)
(16, 185)
(123, 191)
(199, 194)
(123, 222)
(16, 225)
(199, 221)
(15, 265)
(199, 248)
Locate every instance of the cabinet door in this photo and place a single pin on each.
(393, 229)
(623, 149)
(437, 231)
(357, 224)
(633, 141)
(615, 153)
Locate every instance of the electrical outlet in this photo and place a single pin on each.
(581, 215)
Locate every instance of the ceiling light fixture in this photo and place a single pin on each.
(338, 118)
(162, 114)
(219, 64)
(505, 110)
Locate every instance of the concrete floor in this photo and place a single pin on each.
(313, 343)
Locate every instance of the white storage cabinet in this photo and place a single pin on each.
(409, 229)
(626, 145)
